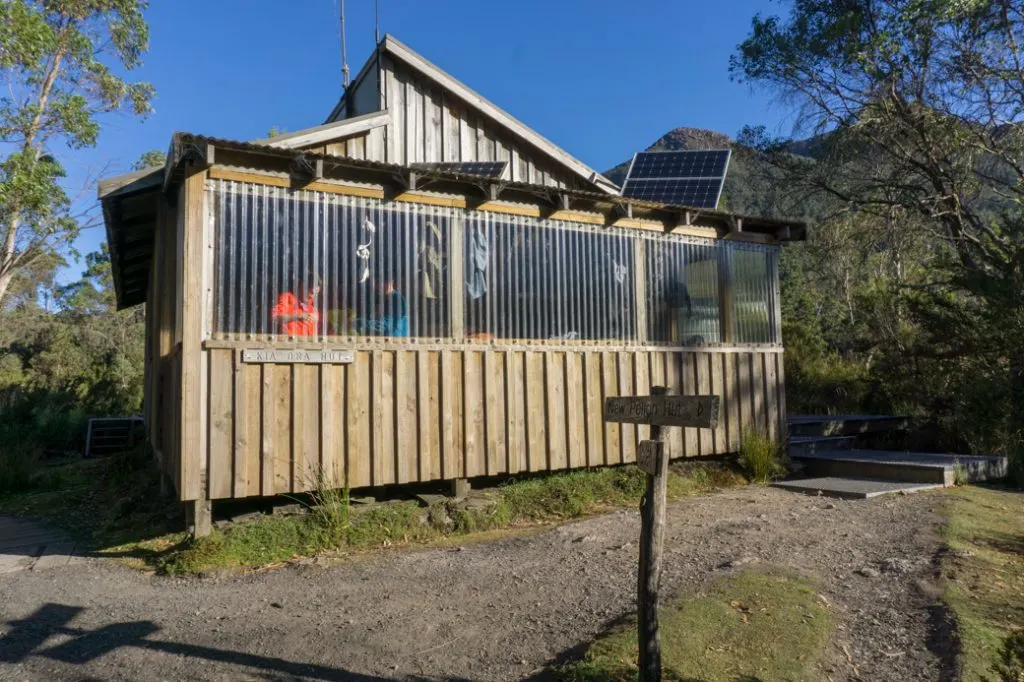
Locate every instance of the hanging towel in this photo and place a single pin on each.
(479, 252)
(430, 262)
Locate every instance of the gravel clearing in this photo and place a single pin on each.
(503, 609)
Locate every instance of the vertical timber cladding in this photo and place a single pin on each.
(399, 414)
(428, 125)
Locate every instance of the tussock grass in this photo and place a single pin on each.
(753, 626)
(985, 581)
(761, 458)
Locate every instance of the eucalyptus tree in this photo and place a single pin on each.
(915, 108)
(60, 62)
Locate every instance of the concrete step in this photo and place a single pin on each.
(853, 488)
(808, 445)
(915, 467)
(842, 425)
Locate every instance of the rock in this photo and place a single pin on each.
(897, 565)
(438, 516)
(868, 572)
(245, 518)
(831, 505)
(482, 503)
(431, 500)
(584, 538)
(742, 561)
(290, 510)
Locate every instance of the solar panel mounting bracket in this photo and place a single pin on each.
(491, 190)
(305, 169)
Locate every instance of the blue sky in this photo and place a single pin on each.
(600, 78)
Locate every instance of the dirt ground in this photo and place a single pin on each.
(504, 609)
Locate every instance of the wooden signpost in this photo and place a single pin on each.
(657, 410)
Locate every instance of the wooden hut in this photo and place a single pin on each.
(353, 303)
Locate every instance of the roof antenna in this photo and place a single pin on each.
(344, 58)
(376, 21)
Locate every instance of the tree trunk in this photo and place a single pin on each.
(5, 282)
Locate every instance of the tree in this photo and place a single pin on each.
(154, 157)
(917, 107)
(921, 103)
(59, 59)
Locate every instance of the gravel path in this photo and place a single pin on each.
(496, 610)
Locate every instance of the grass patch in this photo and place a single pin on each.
(985, 580)
(753, 626)
(761, 458)
(333, 524)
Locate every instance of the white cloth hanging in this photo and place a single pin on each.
(363, 250)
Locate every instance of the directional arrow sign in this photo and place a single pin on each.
(700, 411)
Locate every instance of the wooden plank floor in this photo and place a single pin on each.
(25, 546)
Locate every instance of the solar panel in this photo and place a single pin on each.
(684, 178)
(486, 169)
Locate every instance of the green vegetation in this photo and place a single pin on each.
(334, 524)
(103, 502)
(114, 504)
(60, 60)
(66, 353)
(751, 626)
(984, 587)
(761, 458)
(909, 296)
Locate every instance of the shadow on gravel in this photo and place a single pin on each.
(28, 637)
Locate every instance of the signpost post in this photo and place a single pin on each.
(657, 410)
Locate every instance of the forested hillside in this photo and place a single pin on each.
(872, 318)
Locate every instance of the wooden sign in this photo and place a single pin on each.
(649, 454)
(700, 411)
(297, 356)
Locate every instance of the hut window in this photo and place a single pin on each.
(310, 264)
(682, 290)
(531, 279)
(754, 272)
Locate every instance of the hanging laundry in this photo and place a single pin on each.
(363, 249)
(430, 260)
(479, 252)
(619, 271)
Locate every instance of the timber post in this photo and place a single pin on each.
(651, 458)
(657, 410)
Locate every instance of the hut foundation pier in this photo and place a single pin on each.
(199, 517)
(460, 488)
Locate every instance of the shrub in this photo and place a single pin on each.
(761, 458)
(1015, 475)
(1010, 667)
(17, 465)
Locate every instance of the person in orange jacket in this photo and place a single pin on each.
(298, 315)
